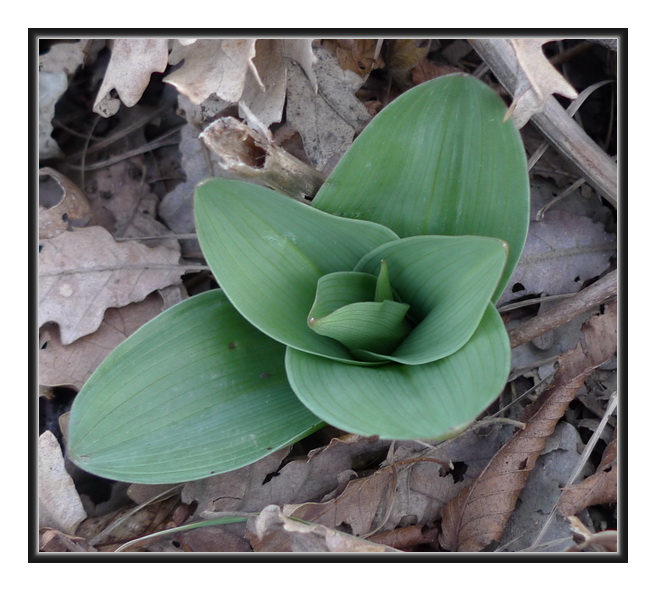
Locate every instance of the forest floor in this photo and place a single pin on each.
(120, 155)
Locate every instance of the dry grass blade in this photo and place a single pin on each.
(477, 516)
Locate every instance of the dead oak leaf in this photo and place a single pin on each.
(84, 272)
(72, 365)
(212, 66)
(536, 80)
(129, 70)
(327, 115)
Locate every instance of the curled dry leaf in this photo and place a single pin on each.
(84, 272)
(253, 156)
(51, 540)
(271, 531)
(537, 80)
(586, 541)
(477, 516)
(599, 488)
(73, 205)
(60, 506)
(129, 70)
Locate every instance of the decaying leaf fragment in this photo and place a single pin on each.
(72, 206)
(326, 115)
(358, 55)
(272, 531)
(60, 506)
(72, 365)
(599, 488)
(129, 70)
(254, 156)
(84, 272)
(477, 516)
(536, 80)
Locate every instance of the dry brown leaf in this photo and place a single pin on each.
(271, 531)
(60, 506)
(597, 489)
(84, 272)
(264, 94)
(408, 492)
(72, 365)
(252, 488)
(58, 206)
(122, 203)
(536, 80)
(402, 56)
(327, 119)
(212, 66)
(477, 516)
(131, 64)
(108, 532)
(215, 538)
(51, 540)
(358, 55)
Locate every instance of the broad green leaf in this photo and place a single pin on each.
(438, 160)
(372, 327)
(448, 282)
(268, 251)
(194, 392)
(393, 401)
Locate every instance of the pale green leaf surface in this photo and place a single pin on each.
(448, 282)
(268, 251)
(438, 160)
(394, 401)
(194, 392)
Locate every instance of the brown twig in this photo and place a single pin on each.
(555, 124)
(596, 294)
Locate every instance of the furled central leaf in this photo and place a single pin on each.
(358, 310)
(376, 327)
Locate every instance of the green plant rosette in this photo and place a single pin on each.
(371, 310)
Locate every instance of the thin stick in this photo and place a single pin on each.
(596, 294)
